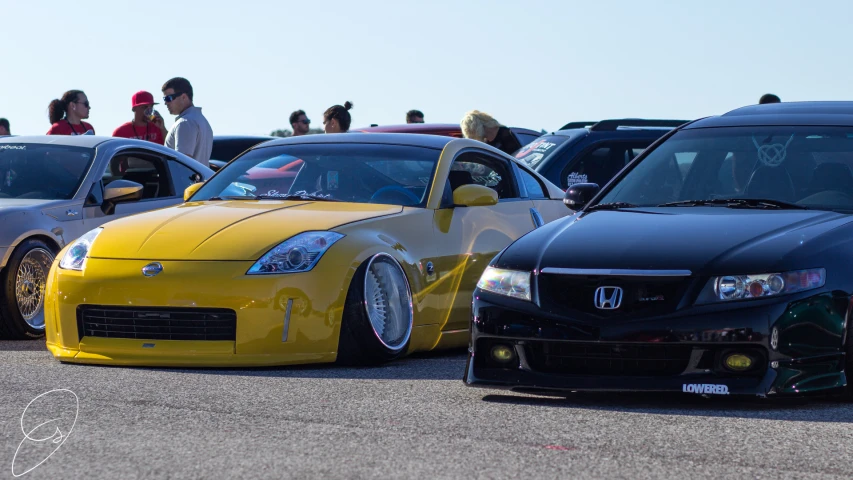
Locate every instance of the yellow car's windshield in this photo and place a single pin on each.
(360, 173)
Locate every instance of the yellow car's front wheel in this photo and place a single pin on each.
(378, 317)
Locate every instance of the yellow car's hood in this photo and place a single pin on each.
(229, 230)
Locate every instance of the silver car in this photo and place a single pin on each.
(54, 189)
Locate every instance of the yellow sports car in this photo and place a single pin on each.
(354, 247)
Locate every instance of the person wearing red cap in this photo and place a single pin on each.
(141, 127)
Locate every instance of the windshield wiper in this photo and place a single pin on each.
(296, 196)
(611, 206)
(738, 203)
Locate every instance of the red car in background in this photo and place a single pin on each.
(524, 135)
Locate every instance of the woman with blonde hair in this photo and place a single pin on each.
(481, 126)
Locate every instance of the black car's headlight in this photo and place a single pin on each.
(75, 256)
(297, 254)
(742, 287)
(510, 283)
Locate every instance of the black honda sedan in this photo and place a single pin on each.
(717, 262)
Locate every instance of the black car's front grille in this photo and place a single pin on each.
(644, 296)
(156, 323)
(608, 359)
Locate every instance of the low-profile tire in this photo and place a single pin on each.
(378, 316)
(23, 290)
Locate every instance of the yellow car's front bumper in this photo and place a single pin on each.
(280, 319)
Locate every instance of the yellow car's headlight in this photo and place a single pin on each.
(511, 283)
(75, 256)
(297, 254)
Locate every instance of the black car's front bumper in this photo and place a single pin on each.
(796, 346)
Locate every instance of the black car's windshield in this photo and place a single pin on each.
(361, 173)
(539, 150)
(42, 171)
(784, 167)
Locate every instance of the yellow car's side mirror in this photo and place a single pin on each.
(474, 196)
(191, 190)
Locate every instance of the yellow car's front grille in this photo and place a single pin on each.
(156, 323)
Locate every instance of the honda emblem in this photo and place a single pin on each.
(608, 298)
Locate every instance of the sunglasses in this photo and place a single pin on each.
(306, 121)
(172, 97)
(85, 104)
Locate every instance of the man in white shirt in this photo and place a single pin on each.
(191, 134)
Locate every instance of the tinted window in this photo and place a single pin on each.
(226, 150)
(183, 176)
(526, 138)
(540, 149)
(810, 166)
(48, 172)
(361, 173)
(149, 171)
(479, 169)
(600, 164)
(534, 188)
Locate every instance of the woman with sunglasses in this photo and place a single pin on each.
(67, 114)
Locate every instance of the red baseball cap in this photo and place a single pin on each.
(142, 98)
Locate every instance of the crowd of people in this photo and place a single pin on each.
(192, 135)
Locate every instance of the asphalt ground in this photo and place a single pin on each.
(410, 419)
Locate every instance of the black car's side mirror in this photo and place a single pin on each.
(579, 194)
(120, 191)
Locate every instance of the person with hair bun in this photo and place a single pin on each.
(337, 118)
(67, 113)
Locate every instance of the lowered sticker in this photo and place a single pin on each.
(705, 388)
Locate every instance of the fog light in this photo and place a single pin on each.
(502, 353)
(738, 361)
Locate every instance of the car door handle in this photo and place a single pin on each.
(537, 218)
(72, 213)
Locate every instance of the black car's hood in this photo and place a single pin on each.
(704, 240)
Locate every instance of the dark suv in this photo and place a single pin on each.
(591, 152)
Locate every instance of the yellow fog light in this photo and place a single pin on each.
(738, 361)
(502, 353)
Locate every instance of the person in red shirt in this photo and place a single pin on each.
(67, 114)
(141, 127)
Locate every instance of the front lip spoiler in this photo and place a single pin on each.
(530, 381)
(526, 381)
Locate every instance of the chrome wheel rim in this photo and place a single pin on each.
(388, 301)
(30, 282)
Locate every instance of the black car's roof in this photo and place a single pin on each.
(410, 139)
(786, 113)
(217, 138)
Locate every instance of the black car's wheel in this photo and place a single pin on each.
(377, 320)
(23, 288)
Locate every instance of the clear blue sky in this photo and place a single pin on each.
(531, 63)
